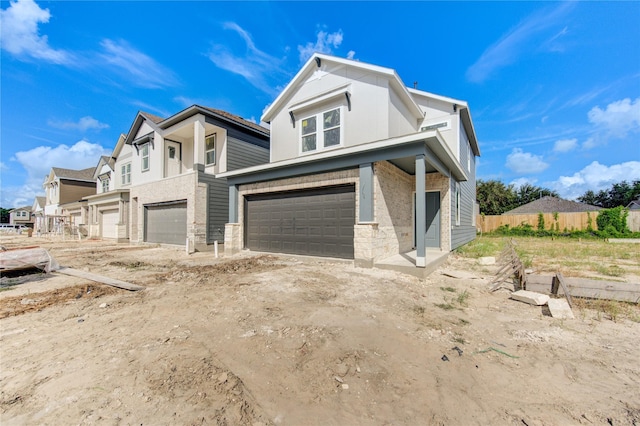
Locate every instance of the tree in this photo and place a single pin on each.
(4, 215)
(620, 194)
(495, 197)
(528, 193)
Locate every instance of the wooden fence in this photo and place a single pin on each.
(568, 221)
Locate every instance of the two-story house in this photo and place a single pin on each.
(361, 167)
(21, 216)
(108, 215)
(168, 168)
(37, 211)
(64, 190)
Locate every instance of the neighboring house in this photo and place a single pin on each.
(64, 190)
(634, 205)
(108, 215)
(548, 204)
(37, 210)
(170, 167)
(361, 168)
(21, 216)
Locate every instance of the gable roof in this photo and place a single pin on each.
(17, 209)
(83, 175)
(550, 204)
(40, 201)
(316, 60)
(158, 123)
(634, 205)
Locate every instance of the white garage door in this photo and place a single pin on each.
(110, 219)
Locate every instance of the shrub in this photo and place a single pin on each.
(613, 222)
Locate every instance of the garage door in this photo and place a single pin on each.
(166, 223)
(110, 219)
(316, 222)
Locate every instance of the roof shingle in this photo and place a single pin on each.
(550, 204)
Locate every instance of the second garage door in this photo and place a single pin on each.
(110, 219)
(166, 223)
(317, 222)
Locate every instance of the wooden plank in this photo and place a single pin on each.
(100, 279)
(587, 288)
(566, 292)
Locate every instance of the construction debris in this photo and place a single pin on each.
(559, 308)
(27, 258)
(511, 267)
(530, 297)
(459, 274)
(584, 287)
(100, 279)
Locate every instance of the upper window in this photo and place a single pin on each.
(145, 157)
(126, 173)
(321, 131)
(210, 150)
(105, 185)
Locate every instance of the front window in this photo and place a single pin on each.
(313, 138)
(309, 134)
(126, 174)
(210, 150)
(145, 157)
(105, 185)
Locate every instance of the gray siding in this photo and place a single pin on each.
(241, 154)
(217, 209)
(466, 231)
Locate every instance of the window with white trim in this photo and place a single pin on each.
(145, 157)
(105, 185)
(321, 131)
(125, 173)
(210, 150)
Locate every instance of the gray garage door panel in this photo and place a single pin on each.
(166, 223)
(316, 222)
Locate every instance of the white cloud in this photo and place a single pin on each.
(595, 177)
(256, 66)
(20, 35)
(84, 124)
(37, 162)
(138, 68)
(351, 54)
(520, 40)
(325, 43)
(565, 145)
(525, 163)
(517, 183)
(619, 118)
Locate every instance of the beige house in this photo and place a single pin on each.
(21, 216)
(361, 167)
(108, 209)
(64, 191)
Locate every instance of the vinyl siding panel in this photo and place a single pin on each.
(217, 210)
(466, 231)
(241, 154)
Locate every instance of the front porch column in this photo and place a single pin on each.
(421, 212)
(233, 204)
(198, 144)
(120, 212)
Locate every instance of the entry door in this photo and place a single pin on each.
(172, 157)
(433, 219)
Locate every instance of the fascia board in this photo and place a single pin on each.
(437, 97)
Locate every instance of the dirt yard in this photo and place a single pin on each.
(261, 340)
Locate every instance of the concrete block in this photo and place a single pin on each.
(530, 297)
(490, 260)
(560, 308)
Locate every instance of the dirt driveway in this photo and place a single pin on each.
(260, 339)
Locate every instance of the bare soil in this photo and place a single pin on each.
(263, 339)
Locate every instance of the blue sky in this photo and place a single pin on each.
(554, 88)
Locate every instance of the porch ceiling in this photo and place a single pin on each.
(185, 132)
(408, 165)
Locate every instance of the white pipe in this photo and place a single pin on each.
(215, 248)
